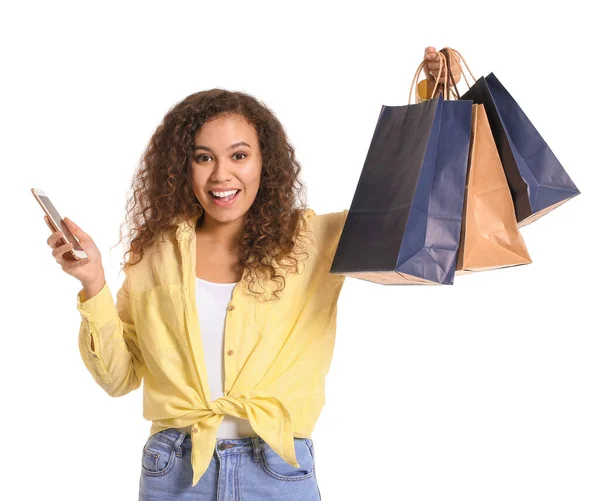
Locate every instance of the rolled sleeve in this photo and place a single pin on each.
(98, 309)
(108, 341)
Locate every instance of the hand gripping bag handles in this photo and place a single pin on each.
(490, 238)
(404, 222)
(538, 182)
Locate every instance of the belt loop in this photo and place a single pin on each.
(256, 448)
(178, 442)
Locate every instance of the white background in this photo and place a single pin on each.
(484, 390)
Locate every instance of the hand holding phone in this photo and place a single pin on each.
(88, 270)
(72, 248)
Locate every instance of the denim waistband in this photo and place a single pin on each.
(177, 437)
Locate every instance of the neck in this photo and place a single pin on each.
(224, 235)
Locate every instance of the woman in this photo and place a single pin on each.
(227, 311)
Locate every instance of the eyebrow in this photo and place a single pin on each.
(234, 145)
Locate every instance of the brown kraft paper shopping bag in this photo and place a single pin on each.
(490, 238)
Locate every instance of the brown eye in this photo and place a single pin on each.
(197, 159)
(236, 154)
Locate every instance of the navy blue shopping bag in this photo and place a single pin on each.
(403, 225)
(537, 180)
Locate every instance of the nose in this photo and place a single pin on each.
(220, 172)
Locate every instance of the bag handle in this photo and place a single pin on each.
(443, 64)
(447, 52)
(452, 53)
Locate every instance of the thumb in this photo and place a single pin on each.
(76, 230)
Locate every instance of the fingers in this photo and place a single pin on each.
(76, 230)
(434, 70)
(48, 223)
(68, 264)
(430, 54)
(454, 57)
(54, 238)
(436, 66)
(60, 250)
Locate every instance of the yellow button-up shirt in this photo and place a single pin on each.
(276, 355)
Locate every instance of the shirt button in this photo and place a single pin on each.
(230, 307)
(230, 352)
(194, 429)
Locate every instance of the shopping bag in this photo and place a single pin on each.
(403, 225)
(538, 182)
(490, 238)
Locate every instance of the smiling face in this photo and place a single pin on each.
(226, 158)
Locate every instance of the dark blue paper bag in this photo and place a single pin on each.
(537, 180)
(404, 222)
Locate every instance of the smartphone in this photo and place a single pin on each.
(57, 222)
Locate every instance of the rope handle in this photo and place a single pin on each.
(452, 53)
(446, 54)
(453, 87)
(443, 64)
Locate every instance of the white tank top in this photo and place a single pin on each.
(212, 300)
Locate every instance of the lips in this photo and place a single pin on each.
(224, 202)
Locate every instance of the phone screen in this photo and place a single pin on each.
(59, 220)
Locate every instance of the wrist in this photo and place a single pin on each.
(93, 287)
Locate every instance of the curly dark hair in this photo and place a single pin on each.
(162, 186)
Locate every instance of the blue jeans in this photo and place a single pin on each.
(241, 469)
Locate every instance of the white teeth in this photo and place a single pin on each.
(222, 194)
